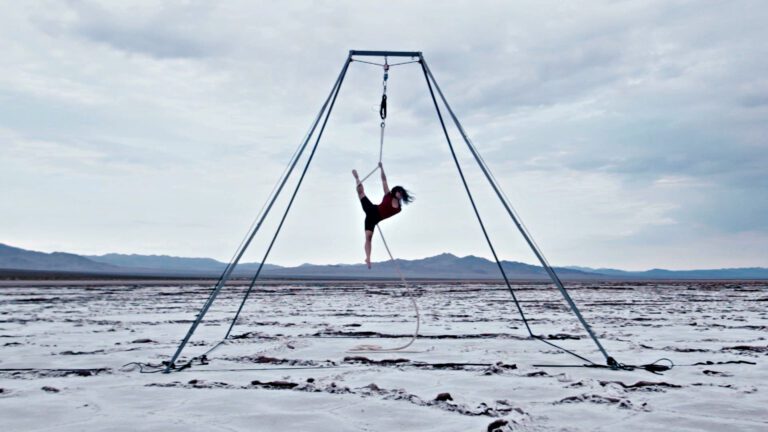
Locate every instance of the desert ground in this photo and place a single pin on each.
(67, 353)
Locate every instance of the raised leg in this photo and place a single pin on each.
(360, 189)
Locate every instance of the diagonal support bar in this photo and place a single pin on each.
(293, 197)
(539, 255)
(472, 200)
(230, 268)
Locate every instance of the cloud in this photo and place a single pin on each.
(160, 31)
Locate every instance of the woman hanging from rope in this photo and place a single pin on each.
(390, 205)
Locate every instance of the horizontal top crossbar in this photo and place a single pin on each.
(385, 53)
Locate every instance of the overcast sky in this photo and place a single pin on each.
(626, 134)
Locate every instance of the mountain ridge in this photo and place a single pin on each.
(441, 266)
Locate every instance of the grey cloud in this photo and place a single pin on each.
(727, 209)
(171, 32)
(756, 99)
(146, 40)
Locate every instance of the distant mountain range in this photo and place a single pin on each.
(725, 273)
(443, 266)
(175, 264)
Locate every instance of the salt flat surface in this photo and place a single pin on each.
(289, 365)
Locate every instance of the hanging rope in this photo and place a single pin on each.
(383, 115)
(377, 348)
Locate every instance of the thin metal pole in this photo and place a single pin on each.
(293, 197)
(364, 53)
(472, 200)
(230, 268)
(550, 271)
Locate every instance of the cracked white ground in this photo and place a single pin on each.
(293, 339)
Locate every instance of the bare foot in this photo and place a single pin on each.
(368, 263)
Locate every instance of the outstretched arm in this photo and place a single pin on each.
(383, 179)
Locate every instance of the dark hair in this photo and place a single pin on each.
(407, 197)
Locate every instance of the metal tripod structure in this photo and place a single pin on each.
(324, 115)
